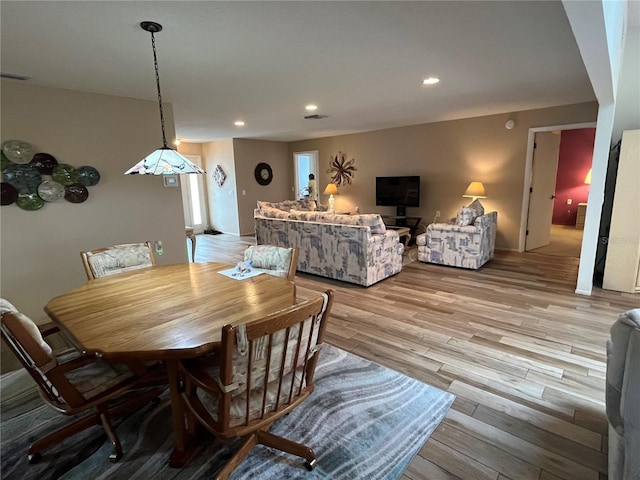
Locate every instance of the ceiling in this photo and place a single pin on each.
(361, 62)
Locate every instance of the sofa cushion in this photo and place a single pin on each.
(287, 205)
(272, 212)
(371, 220)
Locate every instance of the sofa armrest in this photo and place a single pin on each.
(623, 396)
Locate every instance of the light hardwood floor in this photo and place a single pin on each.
(524, 355)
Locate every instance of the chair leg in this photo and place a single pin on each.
(116, 454)
(238, 457)
(286, 445)
(56, 437)
(99, 417)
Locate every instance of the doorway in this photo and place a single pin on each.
(305, 167)
(193, 198)
(558, 161)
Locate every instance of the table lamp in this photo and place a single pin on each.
(331, 190)
(475, 190)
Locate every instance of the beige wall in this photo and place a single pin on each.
(223, 204)
(447, 156)
(40, 251)
(247, 154)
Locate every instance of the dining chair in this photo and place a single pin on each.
(117, 259)
(77, 384)
(265, 369)
(278, 261)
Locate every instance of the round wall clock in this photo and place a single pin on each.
(263, 174)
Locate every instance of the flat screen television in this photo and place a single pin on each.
(399, 192)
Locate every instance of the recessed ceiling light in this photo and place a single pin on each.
(430, 81)
(239, 123)
(311, 107)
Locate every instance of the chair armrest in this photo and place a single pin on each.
(48, 329)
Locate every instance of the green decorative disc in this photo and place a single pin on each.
(88, 176)
(50, 191)
(29, 201)
(65, 174)
(4, 161)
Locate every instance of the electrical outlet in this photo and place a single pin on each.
(437, 213)
(569, 201)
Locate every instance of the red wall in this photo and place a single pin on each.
(574, 161)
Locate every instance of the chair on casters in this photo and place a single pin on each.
(76, 383)
(265, 369)
(278, 261)
(117, 259)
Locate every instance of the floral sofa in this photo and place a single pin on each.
(352, 248)
(468, 241)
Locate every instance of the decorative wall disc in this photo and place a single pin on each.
(341, 169)
(219, 176)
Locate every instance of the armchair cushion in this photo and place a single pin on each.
(275, 259)
(465, 216)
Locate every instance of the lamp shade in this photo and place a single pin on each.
(164, 161)
(587, 179)
(475, 190)
(331, 189)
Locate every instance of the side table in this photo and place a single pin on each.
(411, 223)
(402, 232)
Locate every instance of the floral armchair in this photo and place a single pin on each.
(467, 243)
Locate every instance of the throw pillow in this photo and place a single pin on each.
(465, 217)
(477, 206)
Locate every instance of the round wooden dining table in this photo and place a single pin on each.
(166, 313)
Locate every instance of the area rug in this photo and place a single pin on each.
(363, 421)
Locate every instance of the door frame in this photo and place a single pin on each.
(313, 154)
(186, 199)
(528, 172)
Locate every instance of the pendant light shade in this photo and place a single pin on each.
(165, 160)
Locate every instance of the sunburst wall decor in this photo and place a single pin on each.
(341, 169)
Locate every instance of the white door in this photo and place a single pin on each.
(305, 164)
(193, 198)
(543, 187)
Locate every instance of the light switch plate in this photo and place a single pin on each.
(170, 180)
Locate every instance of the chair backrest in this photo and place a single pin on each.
(117, 259)
(279, 261)
(266, 369)
(23, 337)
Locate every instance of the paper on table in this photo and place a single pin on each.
(234, 273)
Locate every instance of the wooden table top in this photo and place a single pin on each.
(162, 312)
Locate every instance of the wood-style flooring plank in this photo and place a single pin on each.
(523, 353)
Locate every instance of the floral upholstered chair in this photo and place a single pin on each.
(278, 261)
(264, 370)
(117, 259)
(75, 384)
(468, 241)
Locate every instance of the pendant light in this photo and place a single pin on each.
(165, 160)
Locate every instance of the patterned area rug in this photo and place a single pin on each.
(363, 421)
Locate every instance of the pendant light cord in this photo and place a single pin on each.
(155, 64)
